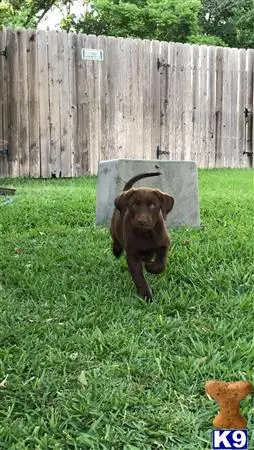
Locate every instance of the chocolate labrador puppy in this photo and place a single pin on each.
(138, 227)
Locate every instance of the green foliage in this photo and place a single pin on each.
(210, 22)
(110, 19)
(230, 20)
(172, 20)
(168, 20)
(244, 18)
(205, 39)
(16, 16)
(24, 13)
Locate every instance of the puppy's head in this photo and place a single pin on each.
(145, 206)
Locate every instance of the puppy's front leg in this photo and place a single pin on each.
(136, 271)
(159, 264)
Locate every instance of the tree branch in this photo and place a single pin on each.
(47, 7)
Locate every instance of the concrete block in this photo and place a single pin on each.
(178, 178)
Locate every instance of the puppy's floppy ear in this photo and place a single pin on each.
(167, 202)
(121, 201)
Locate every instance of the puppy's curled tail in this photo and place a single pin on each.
(133, 180)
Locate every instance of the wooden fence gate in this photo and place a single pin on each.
(206, 105)
(61, 113)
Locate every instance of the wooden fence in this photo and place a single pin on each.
(61, 114)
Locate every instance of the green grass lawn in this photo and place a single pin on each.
(89, 365)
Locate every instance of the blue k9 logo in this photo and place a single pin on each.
(229, 439)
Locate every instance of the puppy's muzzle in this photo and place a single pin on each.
(142, 222)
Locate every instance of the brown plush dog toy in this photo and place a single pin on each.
(228, 396)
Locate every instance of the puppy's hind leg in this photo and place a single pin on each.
(117, 248)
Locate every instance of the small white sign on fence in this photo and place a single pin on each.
(92, 54)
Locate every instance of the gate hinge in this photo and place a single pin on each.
(4, 52)
(161, 64)
(3, 148)
(247, 112)
(248, 130)
(161, 152)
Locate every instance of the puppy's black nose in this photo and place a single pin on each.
(142, 220)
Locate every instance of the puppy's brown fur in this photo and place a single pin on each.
(138, 227)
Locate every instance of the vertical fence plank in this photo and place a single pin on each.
(64, 104)
(203, 108)
(81, 143)
(219, 95)
(187, 103)
(13, 95)
(24, 169)
(199, 105)
(117, 148)
(195, 102)
(120, 99)
(54, 154)
(99, 71)
(92, 145)
(249, 146)
(131, 129)
(44, 114)
(135, 122)
(211, 118)
(33, 105)
(121, 95)
(164, 72)
(155, 94)
(104, 99)
(87, 153)
(180, 110)
(109, 131)
(147, 101)
(3, 106)
(226, 108)
(93, 79)
(179, 102)
(138, 97)
(72, 43)
(233, 114)
(240, 108)
(130, 147)
(83, 107)
(121, 88)
(171, 72)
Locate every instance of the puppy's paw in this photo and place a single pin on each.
(154, 267)
(146, 293)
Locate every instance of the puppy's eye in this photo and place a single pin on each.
(135, 205)
(151, 205)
